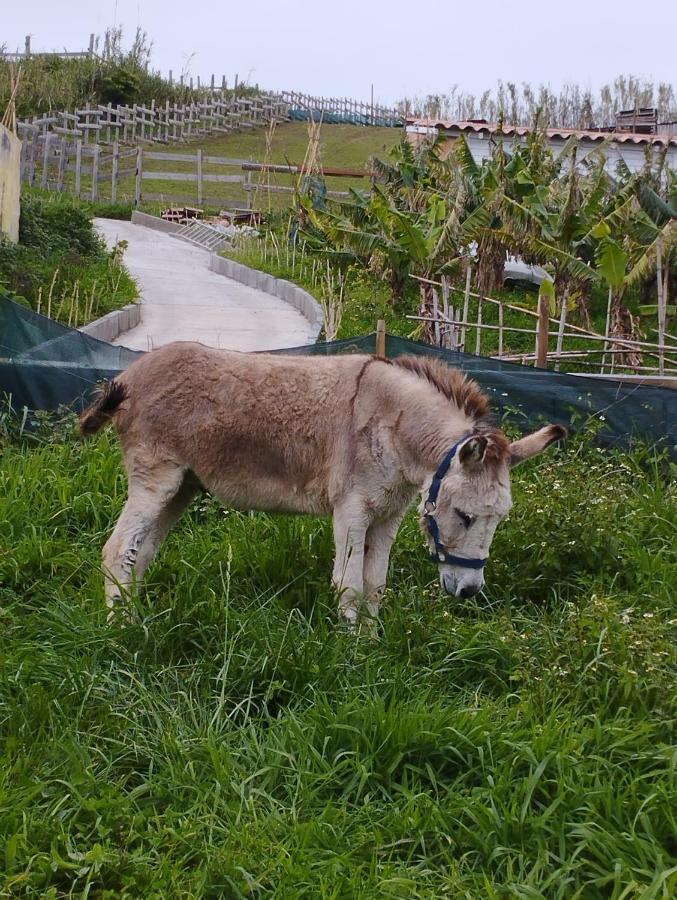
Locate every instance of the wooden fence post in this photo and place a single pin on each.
(542, 331)
(45, 161)
(199, 177)
(139, 176)
(96, 149)
(380, 339)
(63, 155)
(114, 172)
(78, 167)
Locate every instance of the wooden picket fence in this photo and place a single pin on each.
(167, 123)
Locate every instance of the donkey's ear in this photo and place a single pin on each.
(472, 452)
(535, 443)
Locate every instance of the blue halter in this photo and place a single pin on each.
(441, 555)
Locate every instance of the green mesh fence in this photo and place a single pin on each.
(44, 365)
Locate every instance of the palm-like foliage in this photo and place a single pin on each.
(425, 215)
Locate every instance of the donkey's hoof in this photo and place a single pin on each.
(119, 612)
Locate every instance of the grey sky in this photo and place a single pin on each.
(404, 48)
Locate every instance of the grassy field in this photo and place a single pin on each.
(235, 742)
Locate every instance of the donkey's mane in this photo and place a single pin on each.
(465, 394)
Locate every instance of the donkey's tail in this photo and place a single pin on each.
(102, 410)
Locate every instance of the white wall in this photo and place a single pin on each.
(10, 183)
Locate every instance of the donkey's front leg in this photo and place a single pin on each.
(379, 541)
(350, 527)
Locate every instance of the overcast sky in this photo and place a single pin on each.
(403, 48)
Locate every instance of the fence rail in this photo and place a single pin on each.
(163, 123)
(450, 327)
(58, 163)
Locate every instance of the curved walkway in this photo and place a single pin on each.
(183, 300)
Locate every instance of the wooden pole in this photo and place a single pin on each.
(45, 162)
(380, 339)
(114, 172)
(542, 331)
(95, 171)
(500, 329)
(436, 312)
(478, 337)
(78, 167)
(560, 329)
(606, 327)
(451, 330)
(199, 177)
(466, 301)
(63, 156)
(139, 176)
(662, 303)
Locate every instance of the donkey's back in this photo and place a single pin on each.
(256, 429)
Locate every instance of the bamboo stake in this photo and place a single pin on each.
(380, 339)
(466, 301)
(560, 330)
(542, 332)
(49, 295)
(507, 328)
(500, 330)
(436, 311)
(478, 337)
(662, 303)
(606, 327)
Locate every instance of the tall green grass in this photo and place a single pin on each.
(236, 742)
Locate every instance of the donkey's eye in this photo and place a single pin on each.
(464, 517)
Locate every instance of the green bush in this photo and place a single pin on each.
(61, 266)
(58, 225)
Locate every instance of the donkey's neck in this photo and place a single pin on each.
(428, 428)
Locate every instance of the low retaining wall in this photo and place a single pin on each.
(295, 296)
(115, 323)
(155, 222)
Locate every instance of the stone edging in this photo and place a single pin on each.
(301, 300)
(115, 323)
(295, 296)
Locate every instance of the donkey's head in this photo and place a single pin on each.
(468, 497)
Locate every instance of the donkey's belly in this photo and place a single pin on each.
(269, 495)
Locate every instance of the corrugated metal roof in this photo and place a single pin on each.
(623, 137)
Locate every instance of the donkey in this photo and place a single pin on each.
(350, 436)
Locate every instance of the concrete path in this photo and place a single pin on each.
(182, 300)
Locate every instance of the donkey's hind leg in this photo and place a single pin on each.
(158, 494)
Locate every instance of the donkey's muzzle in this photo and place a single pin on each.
(459, 586)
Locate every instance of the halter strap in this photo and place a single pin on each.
(441, 555)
